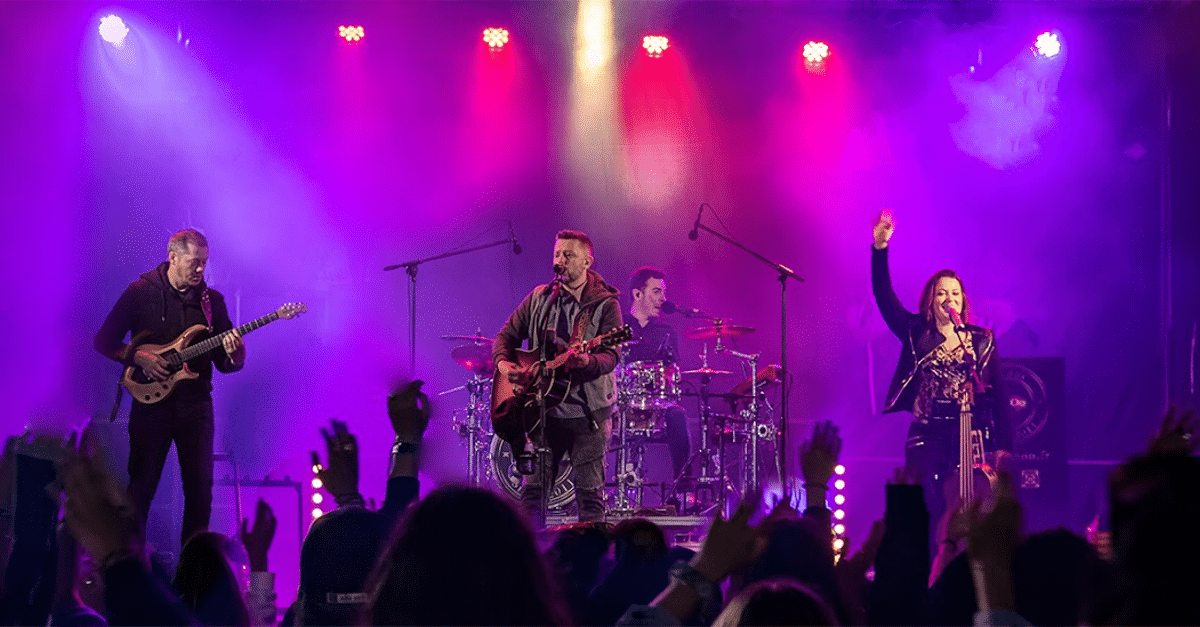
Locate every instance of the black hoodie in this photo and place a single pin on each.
(151, 311)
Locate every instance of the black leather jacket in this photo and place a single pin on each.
(920, 339)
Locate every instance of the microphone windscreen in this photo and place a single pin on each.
(668, 307)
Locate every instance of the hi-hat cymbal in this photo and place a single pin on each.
(717, 331)
(473, 357)
(478, 339)
(706, 370)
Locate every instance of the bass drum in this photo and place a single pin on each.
(504, 468)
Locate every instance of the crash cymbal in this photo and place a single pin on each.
(478, 339)
(474, 357)
(706, 370)
(718, 331)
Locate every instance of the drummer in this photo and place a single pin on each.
(656, 342)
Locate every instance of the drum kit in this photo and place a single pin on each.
(730, 443)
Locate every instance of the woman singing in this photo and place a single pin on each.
(943, 368)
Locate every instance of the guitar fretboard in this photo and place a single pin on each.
(200, 348)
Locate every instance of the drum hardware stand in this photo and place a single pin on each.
(475, 431)
(784, 273)
(757, 431)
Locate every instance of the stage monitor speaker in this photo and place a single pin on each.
(1032, 395)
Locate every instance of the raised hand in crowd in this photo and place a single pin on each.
(695, 589)
(409, 411)
(340, 476)
(257, 539)
(851, 572)
(818, 459)
(98, 512)
(992, 537)
(1177, 434)
(885, 225)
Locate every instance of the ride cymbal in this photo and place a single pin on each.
(474, 357)
(719, 331)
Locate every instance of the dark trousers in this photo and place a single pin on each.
(678, 442)
(188, 422)
(586, 439)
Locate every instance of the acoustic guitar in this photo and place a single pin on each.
(178, 352)
(513, 415)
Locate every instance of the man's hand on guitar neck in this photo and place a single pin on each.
(577, 360)
(154, 366)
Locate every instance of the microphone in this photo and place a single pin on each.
(695, 232)
(559, 269)
(669, 307)
(958, 321)
(512, 237)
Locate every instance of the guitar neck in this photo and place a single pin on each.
(201, 348)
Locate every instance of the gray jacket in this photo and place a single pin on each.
(536, 313)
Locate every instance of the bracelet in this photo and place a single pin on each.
(811, 485)
(401, 448)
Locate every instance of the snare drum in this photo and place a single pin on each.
(644, 423)
(650, 384)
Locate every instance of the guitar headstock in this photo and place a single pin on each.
(616, 336)
(291, 310)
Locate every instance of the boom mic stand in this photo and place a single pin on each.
(784, 273)
(410, 267)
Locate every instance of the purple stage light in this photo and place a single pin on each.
(352, 34)
(113, 30)
(655, 45)
(495, 38)
(1047, 44)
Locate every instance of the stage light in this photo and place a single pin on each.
(317, 498)
(495, 38)
(839, 470)
(839, 514)
(1047, 44)
(316, 484)
(839, 484)
(317, 513)
(113, 30)
(815, 52)
(655, 45)
(838, 544)
(839, 529)
(352, 34)
(839, 499)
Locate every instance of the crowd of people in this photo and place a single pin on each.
(468, 556)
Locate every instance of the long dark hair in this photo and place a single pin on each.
(206, 583)
(927, 295)
(463, 556)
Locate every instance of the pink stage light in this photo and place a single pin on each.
(655, 45)
(352, 34)
(1047, 44)
(495, 38)
(113, 30)
(815, 53)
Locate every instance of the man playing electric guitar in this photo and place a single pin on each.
(577, 307)
(157, 308)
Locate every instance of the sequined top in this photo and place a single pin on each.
(946, 374)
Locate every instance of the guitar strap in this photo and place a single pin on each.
(206, 305)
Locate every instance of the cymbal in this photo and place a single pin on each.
(478, 339)
(717, 331)
(474, 357)
(706, 370)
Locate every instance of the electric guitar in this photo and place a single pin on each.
(510, 419)
(147, 391)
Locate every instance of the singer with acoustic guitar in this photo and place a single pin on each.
(578, 307)
(157, 308)
(944, 378)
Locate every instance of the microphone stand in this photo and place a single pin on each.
(410, 267)
(785, 273)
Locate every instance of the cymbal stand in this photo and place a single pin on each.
(756, 431)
